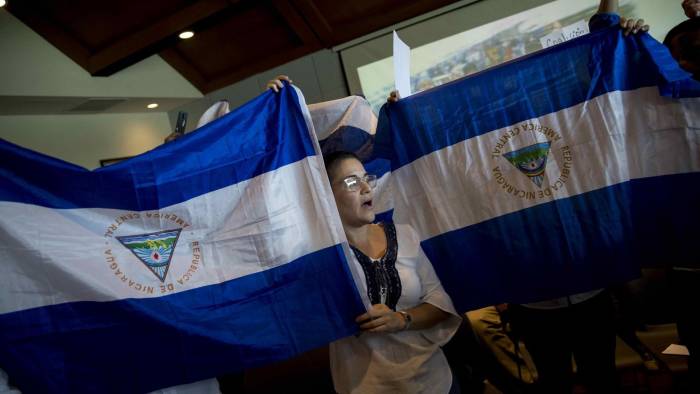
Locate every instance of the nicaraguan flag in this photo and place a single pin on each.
(217, 252)
(551, 175)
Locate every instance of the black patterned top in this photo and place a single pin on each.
(383, 281)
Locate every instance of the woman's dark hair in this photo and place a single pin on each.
(687, 26)
(332, 160)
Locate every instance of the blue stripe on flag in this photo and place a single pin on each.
(385, 216)
(539, 84)
(349, 139)
(359, 142)
(137, 345)
(378, 167)
(606, 234)
(232, 149)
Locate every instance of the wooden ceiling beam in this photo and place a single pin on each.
(187, 69)
(149, 40)
(296, 22)
(304, 42)
(387, 13)
(316, 21)
(291, 28)
(258, 66)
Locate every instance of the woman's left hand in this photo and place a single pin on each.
(276, 84)
(380, 318)
(632, 26)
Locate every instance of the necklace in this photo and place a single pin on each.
(382, 277)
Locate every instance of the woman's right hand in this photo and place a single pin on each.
(381, 318)
(632, 26)
(276, 84)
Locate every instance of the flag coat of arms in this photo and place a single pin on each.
(217, 252)
(557, 173)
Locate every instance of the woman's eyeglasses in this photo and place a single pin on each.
(352, 183)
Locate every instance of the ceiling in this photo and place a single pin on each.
(233, 40)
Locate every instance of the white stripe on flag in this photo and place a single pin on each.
(353, 111)
(471, 181)
(383, 194)
(53, 256)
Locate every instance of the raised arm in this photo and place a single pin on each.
(608, 7)
(629, 26)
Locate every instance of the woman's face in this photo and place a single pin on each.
(354, 200)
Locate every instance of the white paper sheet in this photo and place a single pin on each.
(402, 67)
(564, 34)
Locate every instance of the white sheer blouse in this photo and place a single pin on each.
(408, 361)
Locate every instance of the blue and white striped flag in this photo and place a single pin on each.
(551, 175)
(217, 252)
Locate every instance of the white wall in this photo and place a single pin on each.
(661, 15)
(85, 139)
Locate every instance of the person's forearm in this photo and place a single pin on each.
(608, 7)
(425, 316)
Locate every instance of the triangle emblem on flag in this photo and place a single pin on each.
(155, 250)
(531, 161)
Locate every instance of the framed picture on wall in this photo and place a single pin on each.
(106, 162)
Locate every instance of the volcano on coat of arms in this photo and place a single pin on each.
(155, 250)
(531, 161)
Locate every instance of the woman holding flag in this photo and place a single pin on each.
(411, 316)
(397, 348)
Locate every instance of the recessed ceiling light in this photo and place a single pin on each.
(2, 3)
(184, 35)
(152, 105)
